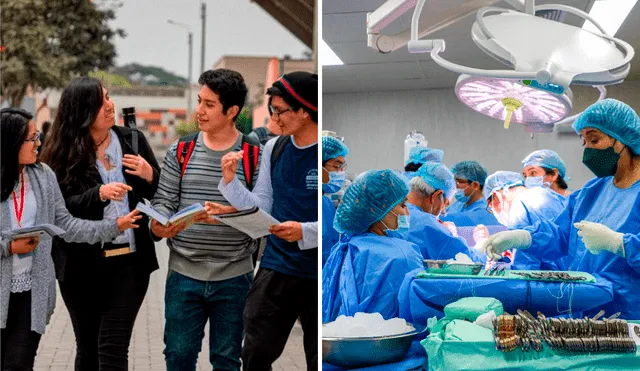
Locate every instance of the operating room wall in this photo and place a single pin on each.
(375, 124)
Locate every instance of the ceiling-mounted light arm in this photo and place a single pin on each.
(530, 7)
(436, 46)
(570, 119)
(574, 11)
(626, 47)
(391, 10)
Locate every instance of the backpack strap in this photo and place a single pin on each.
(278, 148)
(184, 151)
(251, 154)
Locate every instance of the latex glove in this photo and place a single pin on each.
(598, 238)
(451, 227)
(480, 233)
(500, 242)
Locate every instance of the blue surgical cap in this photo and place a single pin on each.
(547, 159)
(614, 118)
(471, 171)
(332, 148)
(439, 177)
(422, 154)
(368, 199)
(500, 180)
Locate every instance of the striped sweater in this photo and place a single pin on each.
(204, 252)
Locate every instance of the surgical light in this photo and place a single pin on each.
(513, 101)
(545, 58)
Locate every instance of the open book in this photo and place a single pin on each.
(253, 222)
(185, 215)
(41, 230)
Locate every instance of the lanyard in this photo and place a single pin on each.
(19, 210)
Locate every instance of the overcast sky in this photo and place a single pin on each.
(234, 27)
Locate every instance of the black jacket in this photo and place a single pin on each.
(83, 201)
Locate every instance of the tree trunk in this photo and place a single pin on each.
(17, 96)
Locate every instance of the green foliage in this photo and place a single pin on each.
(164, 77)
(244, 122)
(110, 79)
(185, 128)
(47, 43)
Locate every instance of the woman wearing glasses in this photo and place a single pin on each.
(101, 176)
(30, 196)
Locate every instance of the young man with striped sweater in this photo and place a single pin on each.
(210, 265)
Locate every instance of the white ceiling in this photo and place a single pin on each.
(365, 70)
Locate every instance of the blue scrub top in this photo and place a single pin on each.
(433, 239)
(329, 234)
(470, 216)
(600, 201)
(364, 274)
(529, 208)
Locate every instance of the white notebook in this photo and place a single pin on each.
(253, 222)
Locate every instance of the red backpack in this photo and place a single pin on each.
(250, 158)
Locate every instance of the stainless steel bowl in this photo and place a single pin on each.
(442, 267)
(368, 351)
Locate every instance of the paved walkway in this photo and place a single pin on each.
(57, 348)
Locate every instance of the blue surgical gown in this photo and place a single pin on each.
(433, 239)
(600, 201)
(528, 208)
(364, 273)
(329, 234)
(470, 216)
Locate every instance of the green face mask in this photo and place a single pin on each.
(602, 162)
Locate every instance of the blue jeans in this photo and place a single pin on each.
(189, 303)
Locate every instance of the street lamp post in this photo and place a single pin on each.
(203, 15)
(190, 42)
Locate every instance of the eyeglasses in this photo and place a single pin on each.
(335, 167)
(489, 209)
(274, 112)
(37, 137)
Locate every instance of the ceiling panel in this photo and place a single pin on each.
(344, 30)
(350, 6)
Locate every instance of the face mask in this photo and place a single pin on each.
(336, 181)
(403, 226)
(601, 162)
(443, 211)
(534, 181)
(460, 197)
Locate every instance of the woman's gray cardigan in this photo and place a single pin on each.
(51, 210)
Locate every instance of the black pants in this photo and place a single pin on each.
(19, 343)
(103, 306)
(274, 303)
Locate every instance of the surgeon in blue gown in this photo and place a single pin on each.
(431, 189)
(418, 155)
(367, 266)
(545, 168)
(470, 208)
(334, 153)
(516, 206)
(599, 230)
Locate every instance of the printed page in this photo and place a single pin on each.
(254, 222)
